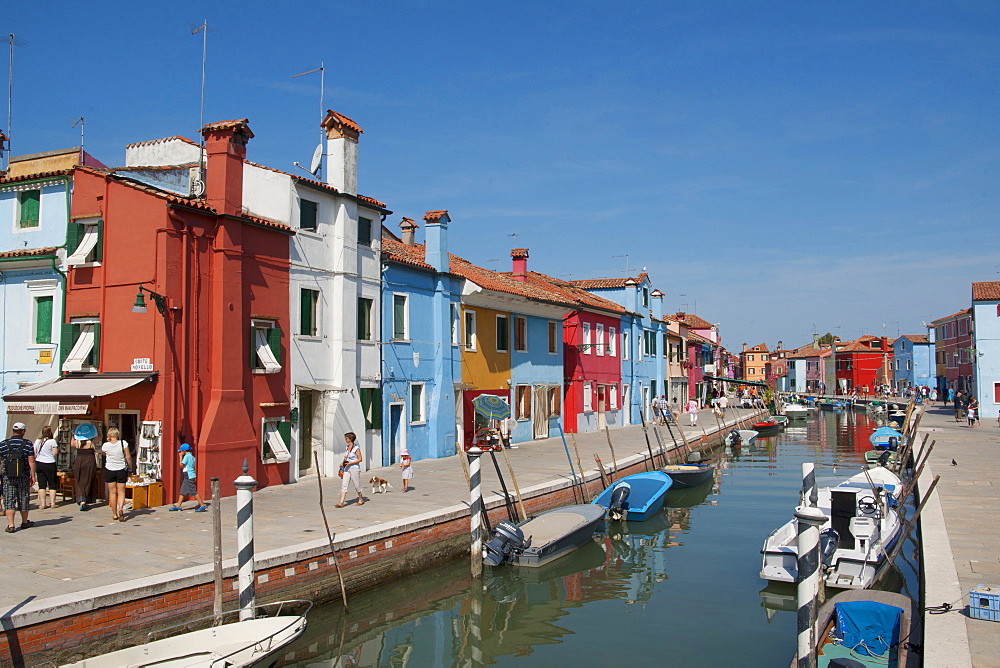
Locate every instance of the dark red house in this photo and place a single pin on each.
(864, 362)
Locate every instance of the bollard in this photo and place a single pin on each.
(244, 541)
(809, 494)
(809, 520)
(476, 511)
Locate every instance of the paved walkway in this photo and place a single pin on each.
(68, 553)
(963, 530)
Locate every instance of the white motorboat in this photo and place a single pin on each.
(248, 644)
(862, 525)
(797, 410)
(745, 436)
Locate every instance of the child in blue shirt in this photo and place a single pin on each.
(188, 487)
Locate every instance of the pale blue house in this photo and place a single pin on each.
(35, 197)
(912, 361)
(986, 346)
(421, 353)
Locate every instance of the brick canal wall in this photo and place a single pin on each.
(101, 620)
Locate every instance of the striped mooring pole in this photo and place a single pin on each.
(809, 519)
(476, 627)
(476, 511)
(809, 494)
(244, 541)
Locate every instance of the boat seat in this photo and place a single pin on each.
(546, 528)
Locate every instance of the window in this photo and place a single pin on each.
(586, 338)
(612, 341)
(265, 346)
(522, 406)
(996, 393)
(400, 317)
(86, 337)
(456, 326)
(308, 211)
(308, 312)
(645, 296)
(625, 347)
(588, 398)
(599, 336)
(666, 347)
(416, 402)
(652, 343)
(503, 333)
(365, 307)
(84, 236)
(470, 330)
(751, 371)
(276, 434)
(909, 365)
(749, 358)
(555, 401)
(520, 334)
(553, 338)
(364, 232)
(371, 406)
(28, 204)
(613, 397)
(43, 319)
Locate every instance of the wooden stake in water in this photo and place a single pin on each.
(579, 465)
(217, 548)
(329, 534)
(614, 460)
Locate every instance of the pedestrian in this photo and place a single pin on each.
(654, 407)
(46, 449)
(723, 404)
(406, 466)
(18, 457)
(973, 412)
(692, 410)
(934, 394)
(84, 471)
(664, 408)
(117, 465)
(189, 487)
(350, 469)
(959, 414)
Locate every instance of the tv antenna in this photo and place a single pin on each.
(316, 165)
(626, 262)
(14, 41)
(79, 122)
(204, 30)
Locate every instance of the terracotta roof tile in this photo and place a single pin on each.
(965, 311)
(152, 142)
(313, 182)
(394, 250)
(606, 283)
(693, 321)
(343, 120)
(34, 177)
(986, 291)
(574, 293)
(29, 252)
(915, 338)
(237, 123)
(431, 216)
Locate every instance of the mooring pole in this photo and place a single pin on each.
(244, 541)
(809, 520)
(217, 548)
(476, 511)
(809, 495)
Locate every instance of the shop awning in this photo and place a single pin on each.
(736, 380)
(71, 394)
(320, 388)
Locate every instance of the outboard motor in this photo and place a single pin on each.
(734, 437)
(619, 496)
(829, 541)
(893, 443)
(883, 458)
(508, 539)
(694, 457)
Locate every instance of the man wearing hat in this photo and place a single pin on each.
(188, 486)
(17, 455)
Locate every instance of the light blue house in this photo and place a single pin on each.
(986, 346)
(912, 361)
(421, 353)
(34, 218)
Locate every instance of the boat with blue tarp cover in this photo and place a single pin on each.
(635, 497)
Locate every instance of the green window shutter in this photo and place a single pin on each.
(74, 232)
(416, 393)
(398, 317)
(306, 316)
(67, 337)
(274, 342)
(366, 406)
(254, 362)
(364, 232)
(376, 408)
(364, 319)
(98, 251)
(285, 431)
(29, 200)
(307, 215)
(95, 353)
(43, 320)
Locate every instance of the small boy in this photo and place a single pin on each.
(406, 464)
(188, 487)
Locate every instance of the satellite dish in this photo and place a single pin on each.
(317, 159)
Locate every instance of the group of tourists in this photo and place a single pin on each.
(966, 407)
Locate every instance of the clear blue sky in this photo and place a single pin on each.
(774, 166)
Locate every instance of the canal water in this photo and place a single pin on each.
(681, 589)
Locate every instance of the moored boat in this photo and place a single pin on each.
(744, 436)
(635, 497)
(239, 644)
(861, 527)
(692, 474)
(543, 538)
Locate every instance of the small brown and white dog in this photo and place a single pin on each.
(379, 485)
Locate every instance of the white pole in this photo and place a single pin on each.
(476, 511)
(809, 495)
(244, 541)
(809, 520)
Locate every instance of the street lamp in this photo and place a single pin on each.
(140, 301)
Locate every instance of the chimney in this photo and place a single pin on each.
(436, 244)
(681, 315)
(409, 230)
(226, 149)
(632, 295)
(658, 304)
(520, 263)
(816, 341)
(342, 152)
(744, 347)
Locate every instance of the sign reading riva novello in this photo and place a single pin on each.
(141, 364)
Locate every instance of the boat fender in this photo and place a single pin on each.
(616, 509)
(829, 541)
(508, 540)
